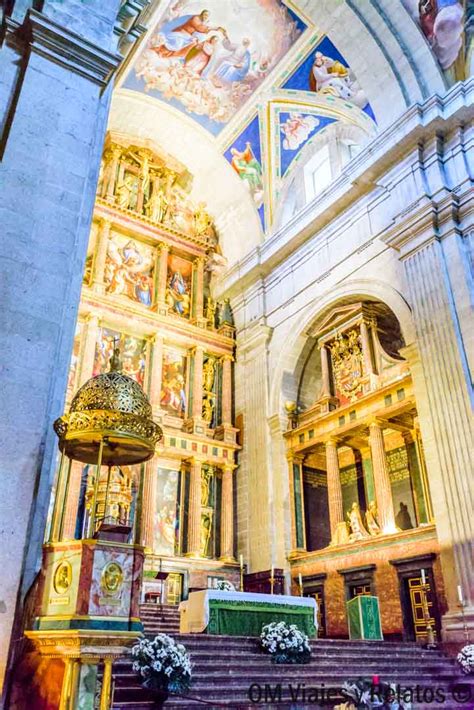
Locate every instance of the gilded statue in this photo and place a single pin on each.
(211, 312)
(358, 532)
(371, 519)
(206, 529)
(208, 408)
(209, 371)
(125, 191)
(157, 204)
(202, 221)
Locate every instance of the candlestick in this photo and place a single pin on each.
(241, 561)
(460, 597)
(423, 577)
(300, 582)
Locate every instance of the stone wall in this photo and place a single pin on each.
(406, 195)
(53, 112)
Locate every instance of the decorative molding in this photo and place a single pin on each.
(69, 50)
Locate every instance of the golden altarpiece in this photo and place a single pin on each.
(147, 292)
(358, 484)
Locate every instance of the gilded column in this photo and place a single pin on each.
(383, 490)
(100, 257)
(194, 511)
(156, 371)
(162, 275)
(336, 511)
(326, 384)
(227, 514)
(197, 382)
(72, 502)
(90, 341)
(227, 390)
(116, 154)
(199, 289)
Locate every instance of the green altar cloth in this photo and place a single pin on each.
(363, 616)
(243, 613)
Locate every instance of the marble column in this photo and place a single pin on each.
(148, 506)
(227, 514)
(383, 490)
(72, 502)
(336, 510)
(100, 256)
(197, 382)
(227, 390)
(156, 371)
(325, 379)
(194, 511)
(162, 275)
(198, 295)
(88, 354)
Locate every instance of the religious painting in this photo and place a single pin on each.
(74, 364)
(325, 71)
(173, 383)
(295, 131)
(442, 23)
(208, 59)
(166, 518)
(179, 285)
(129, 268)
(245, 157)
(132, 354)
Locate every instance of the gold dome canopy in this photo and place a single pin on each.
(114, 409)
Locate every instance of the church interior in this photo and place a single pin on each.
(237, 339)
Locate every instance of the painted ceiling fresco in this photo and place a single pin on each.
(442, 23)
(207, 58)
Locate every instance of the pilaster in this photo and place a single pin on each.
(227, 514)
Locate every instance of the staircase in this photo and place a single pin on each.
(225, 667)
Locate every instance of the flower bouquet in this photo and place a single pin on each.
(224, 586)
(163, 665)
(286, 643)
(465, 658)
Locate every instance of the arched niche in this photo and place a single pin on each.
(297, 365)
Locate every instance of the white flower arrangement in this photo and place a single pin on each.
(465, 658)
(162, 663)
(223, 585)
(286, 643)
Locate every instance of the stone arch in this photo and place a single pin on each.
(292, 358)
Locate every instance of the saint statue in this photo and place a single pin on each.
(208, 372)
(157, 204)
(207, 409)
(358, 532)
(211, 312)
(371, 519)
(125, 191)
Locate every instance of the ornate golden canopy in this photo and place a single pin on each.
(114, 409)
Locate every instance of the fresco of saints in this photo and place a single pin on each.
(200, 55)
(330, 76)
(235, 66)
(173, 391)
(296, 130)
(178, 294)
(128, 272)
(178, 36)
(249, 170)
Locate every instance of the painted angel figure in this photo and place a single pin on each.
(248, 168)
(181, 34)
(296, 130)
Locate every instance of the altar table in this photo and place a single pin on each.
(244, 613)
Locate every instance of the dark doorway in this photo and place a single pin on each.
(316, 509)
